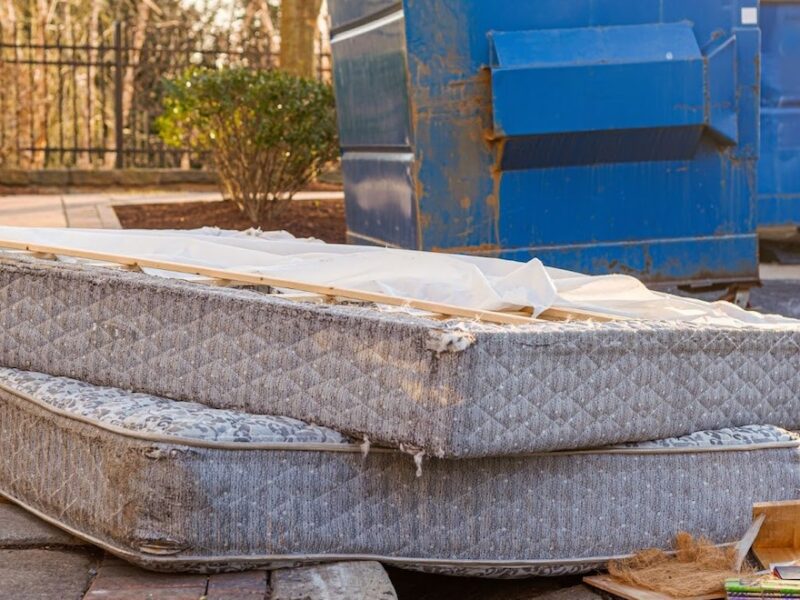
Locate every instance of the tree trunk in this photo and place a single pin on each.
(40, 110)
(8, 15)
(9, 80)
(144, 10)
(92, 41)
(298, 29)
(258, 39)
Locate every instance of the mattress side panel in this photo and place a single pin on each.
(533, 509)
(371, 377)
(560, 390)
(176, 508)
(92, 481)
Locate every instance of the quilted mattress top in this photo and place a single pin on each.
(456, 389)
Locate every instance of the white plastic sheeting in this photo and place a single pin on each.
(473, 282)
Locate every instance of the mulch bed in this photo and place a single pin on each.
(322, 219)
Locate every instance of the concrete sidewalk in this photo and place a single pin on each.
(94, 211)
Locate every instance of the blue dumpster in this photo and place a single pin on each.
(779, 167)
(597, 135)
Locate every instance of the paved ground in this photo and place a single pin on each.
(92, 211)
(40, 562)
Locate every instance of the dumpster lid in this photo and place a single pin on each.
(595, 45)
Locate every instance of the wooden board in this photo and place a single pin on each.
(629, 592)
(226, 275)
(744, 545)
(779, 538)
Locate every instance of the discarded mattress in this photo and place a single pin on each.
(177, 486)
(447, 389)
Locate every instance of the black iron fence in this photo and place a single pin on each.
(93, 104)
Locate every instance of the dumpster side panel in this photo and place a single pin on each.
(346, 13)
(779, 167)
(646, 198)
(380, 206)
(646, 195)
(456, 175)
(724, 258)
(375, 129)
(610, 217)
(372, 58)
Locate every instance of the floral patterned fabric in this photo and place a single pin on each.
(145, 413)
(735, 436)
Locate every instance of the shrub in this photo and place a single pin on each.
(268, 132)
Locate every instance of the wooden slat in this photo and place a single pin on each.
(629, 592)
(779, 538)
(323, 290)
(744, 545)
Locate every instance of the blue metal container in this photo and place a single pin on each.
(779, 167)
(597, 135)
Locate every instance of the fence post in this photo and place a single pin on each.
(119, 79)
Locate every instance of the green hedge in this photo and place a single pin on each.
(268, 132)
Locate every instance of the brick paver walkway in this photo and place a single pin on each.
(40, 562)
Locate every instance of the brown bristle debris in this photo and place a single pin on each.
(696, 568)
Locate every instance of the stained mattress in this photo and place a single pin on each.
(448, 389)
(177, 486)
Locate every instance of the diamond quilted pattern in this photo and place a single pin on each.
(367, 373)
(230, 508)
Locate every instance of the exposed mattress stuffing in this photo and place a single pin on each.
(448, 389)
(175, 486)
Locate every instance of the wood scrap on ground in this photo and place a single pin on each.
(779, 539)
(696, 570)
(608, 584)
